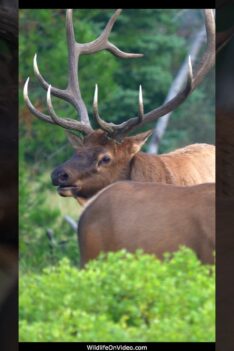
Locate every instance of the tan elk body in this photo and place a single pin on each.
(154, 217)
(194, 164)
(108, 154)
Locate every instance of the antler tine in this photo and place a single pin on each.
(61, 93)
(73, 63)
(174, 102)
(167, 107)
(72, 93)
(60, 121)
(118, 131)
(32, 108)
(102, 43)
(193, 81)
(140, 105)
(108, 127)
(65, 94)
(208, 58)
(76, 49)
(111, 47)
(66, 123)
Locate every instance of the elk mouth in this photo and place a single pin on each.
(68, 190)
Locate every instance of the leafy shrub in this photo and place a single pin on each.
(36, 218)
(121, 297)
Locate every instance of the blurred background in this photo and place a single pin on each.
(8, 176)
(165, 37)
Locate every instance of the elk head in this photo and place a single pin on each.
(103, 156)
(97, 162)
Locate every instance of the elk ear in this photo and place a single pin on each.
(137, 141)
(74, 140)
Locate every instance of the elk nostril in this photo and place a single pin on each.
(63, 177)
(60, 177)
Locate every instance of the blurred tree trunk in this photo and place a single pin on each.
(179, 81)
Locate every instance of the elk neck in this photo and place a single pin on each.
(149, 168)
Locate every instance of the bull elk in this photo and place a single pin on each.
(157, 218)
(107, 155)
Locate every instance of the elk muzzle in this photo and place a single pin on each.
(63, 179)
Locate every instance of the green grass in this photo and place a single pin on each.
(66, 205)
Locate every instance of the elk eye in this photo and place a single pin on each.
(105, 159)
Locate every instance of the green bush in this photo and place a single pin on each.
(36, 218)
(121, 297)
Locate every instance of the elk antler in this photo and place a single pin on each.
(207, 61)
(72, 93)
(116, 128)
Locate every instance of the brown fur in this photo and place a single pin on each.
(85, 175)
(190, 165)
(154, 217)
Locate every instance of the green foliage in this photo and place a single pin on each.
(36, 217)
(121, 297)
